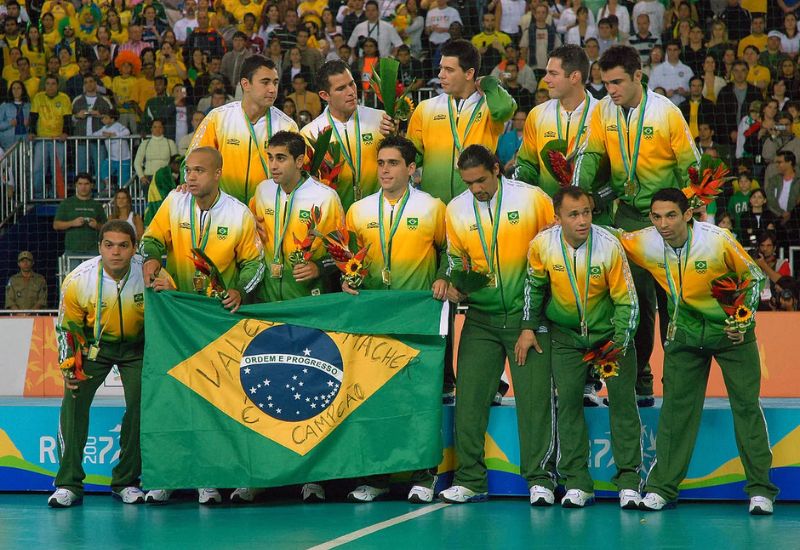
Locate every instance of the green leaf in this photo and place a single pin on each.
(554, 145)
(387, 80)
(320, 148)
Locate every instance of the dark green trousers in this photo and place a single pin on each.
(74, 422)
(686, 369)
(481, 358)
(569, 374)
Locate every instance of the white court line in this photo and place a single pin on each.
(350, 537)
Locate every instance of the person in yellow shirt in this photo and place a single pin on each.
(34, 50)
(59, 9)
(240, 7)
(51, 112)
(303, 99)
(31, 82)
(68, 67)
(491, 38)
(50, 34)
(122, 86)
(756, 38)
(10, 70)
(145, 88)
(757, 75)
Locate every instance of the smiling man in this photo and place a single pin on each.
(240, 131)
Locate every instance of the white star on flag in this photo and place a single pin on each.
(306, 352)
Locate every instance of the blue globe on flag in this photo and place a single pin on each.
(291, 373)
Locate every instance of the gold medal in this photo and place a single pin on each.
(199, 282)
(386, 277)
(276, 270)
(584, 329)
(671, 330)
(94, 349)
(492, 283)
(630, 188)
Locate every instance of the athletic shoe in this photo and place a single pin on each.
(645, 401)
(449, 397)
(760, 506)
(629, 499)
(366, 493)
(590, 397)
(63, 498)
(157, 496)
(208, 495)
(313, 492)
(575, 498)
(130, 495)
(541, 496)
(497, 400)
(245, 494)
(419, 494)
(458, 494)
(653, 502)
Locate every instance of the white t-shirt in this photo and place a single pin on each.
(383, 32)
(513, 10)
(783, 198)
(441, 17)
(182, 28)
(654, 10)
(670, 77)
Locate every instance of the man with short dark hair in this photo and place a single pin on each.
(780, 138)
(50, 118)
(203, 37)
(734, 100)
(26, 289)
(161, 107)
(643, 40)
(672, 74)
(232, 61)
(88, 110)
(696, 109)
(539, 39)
(409, 73)
(783, 194)
(303, 99)
(80, 217)
(383, 32)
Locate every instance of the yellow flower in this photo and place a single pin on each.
(743, 314)
(607, 370)
(67, 363)
(352, 267)
(688, 192)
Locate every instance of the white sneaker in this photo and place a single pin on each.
(245, 494)
(419, 494)
(653, 502)
(458, 494)
(575, 498)
(130, 495)
(760, 506)
(541, 496)
(207, 495)
(313, 492)
(157, 496)
(366, 493)
(629, 499)
(63, 498)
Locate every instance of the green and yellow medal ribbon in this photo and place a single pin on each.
(489, 250)
(454, 128)
(676, 291)
(98, 307)
(631, 159)
(386, 244)
(353, 162)
(581, 122)
(581, 303)
(281, 224)
(268, 121)
(200, 240)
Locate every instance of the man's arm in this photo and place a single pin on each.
(249, 257)
(528, 156)
(440, 240)
(501, 105)
(742, 264)
(683, 145)
(537, 281)
(414, 133)
(11, 297)
(587, 163)
(158, 235)
(69, 312)
(623, 294)
(41, 296)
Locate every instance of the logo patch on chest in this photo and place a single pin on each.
(412, 223)
(701, 266)
(513, 217)
(222, 233)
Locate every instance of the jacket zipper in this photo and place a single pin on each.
(498, 275)
(575, 271)
(247, 173)
(119, 309)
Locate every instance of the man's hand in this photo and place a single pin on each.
(262, 231)
(734, 335)
(150, 270)
(439, 288)
(93, 223)
(348, 290)
(526, 341)
(71, 384)
(388, 125)
(233, 301)
(762, 262)
(78, 222)
(785, 217)
(305, 272)
(455, 295)
(163, 283)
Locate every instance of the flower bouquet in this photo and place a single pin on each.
(468, 280)
(384, 81)
(703, 191)
(324, 158)
(302, 252)
(205, 266)
(557, 163)
(730, 291)
(604, 359)
(342, 246)
(72, 367)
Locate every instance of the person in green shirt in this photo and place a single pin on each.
(80, 217)
(739, 203)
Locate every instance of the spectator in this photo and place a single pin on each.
(748, 142)
(696, 109)
(310, 57)
(231, 64)
(491, 43)
(790, 38)
(718, 42)
(224, 24)
(115, 170)
(182, 112)
(757, 75)
(287, 33)
(595, 86)
(122, 209)
(712, 82)
(30, 82)
(592, 49)
(605, 36)
(777, 91)
(68, 68)
(509, 14)
(290, 109)
(165, 180)
(26, 289)
(771, 56)
(350, 16)
(384, 33)
(694, 53)
(582, 30)
(538, 40)
(522, 96)
(303, 99)
(152, 27)
(170, 64)
(409, 73)
(87, 112)
(654, 11)
(705, 141)
(15, 116)
(49, 119)
(780, 138)
(293, 67)
(185, 141)
(123, 88)
(271, 21)
(205, 38)
(736, 19)
(767, 259)
(734, 100)
(757, 220)
(135, 44)
(80, 217)
(739, 203)
(510, 141)
(363, 66)
(784, 295)
(153, 152)
(569, 18)
(437, 25)
(187, 23)
(162, 107)
(643, 40)
(756, 37)
(525, 76)
(672, 75)
(783, 193)
(415, 28)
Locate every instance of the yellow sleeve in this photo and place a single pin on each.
(69, 312)
(205, 135)
(455, 248)
(682, 143)
(740, 262)
(440, 231)
(414, 131)
(545, 215)
(595, 151)
(332, 219)
(350, 223)
(158, 236)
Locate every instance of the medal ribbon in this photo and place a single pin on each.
(676, 293)
(98, 307)
(487, 252)
(386, 245)
(268, 120)
(282, 224)
(202, 240)
(581, 122)
(581, 303)
(629, 162)
(454, 128)
(354, 163)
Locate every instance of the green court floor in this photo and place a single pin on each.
(26, 522)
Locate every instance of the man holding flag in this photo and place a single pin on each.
(220, 254)
(489, 228)
(404, 228)
(240, 130)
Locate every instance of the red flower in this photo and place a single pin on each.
(562, 169)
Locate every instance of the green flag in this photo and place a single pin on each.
(324, 387)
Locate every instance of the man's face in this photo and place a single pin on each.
(83, 188)
(403, 56)
(488, 23)
(511, 54)
(89, 85)
(290, 18)
(784, 167)
(559, 84)
(452, 77)
(302, 38)
(11, 27)
(744, 184)
(160, 86)
(134, 33)
(482, 183)
(540, 15)
(767, 248)
(696, 35)
(23, 66)
(773, 43)
(116, 251)
(592, 49)
(371, 12)
(53, 65)
(513, 73)
(758, 25)
(51, 87)
(299, 85)
(704, 131)
(739, 73)
(13, 11)
(25, 265)
(189, 7)
(673, 53)
(202, 20)
(393, 172)
(575, 217)
(696, 88)
(668, 219)
(519, 120)
(202, 177)
(604, 31)
(84, 64)
(751, 57)
(285, 168)
(214, 65)
(621, 87)
(342, 94)
(239, 43)
(643, 24)
(263, 88)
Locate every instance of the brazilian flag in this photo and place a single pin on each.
(324, 387)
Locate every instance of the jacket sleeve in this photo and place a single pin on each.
(440, 240)
(528, 156)
(69, 311)
(740, 262)
(158, 234)
(545, 215)
(249, 256)
(623, 294)
(683, 145)
(455, 248)
(414, 132)
(595, 150)
(501, 105)
(537, 280)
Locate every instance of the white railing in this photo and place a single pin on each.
(12, 163)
